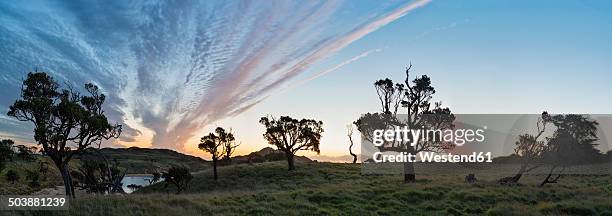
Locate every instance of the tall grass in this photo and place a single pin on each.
(340, 189)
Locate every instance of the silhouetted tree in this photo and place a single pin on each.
(65, 123)
(572, 143)
(12, 176)
(96, 175)
(230, 148)
(179, 176)
(134, 187)
(6, 152)
(26, 153)
(156, 177)
(349, 133)
(530, 148)
(219, 144)
(415, 96)
(291, 135)
(390, 95)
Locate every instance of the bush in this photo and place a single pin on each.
(12, 176)
(179, 176)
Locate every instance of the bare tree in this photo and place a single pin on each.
(349, 133)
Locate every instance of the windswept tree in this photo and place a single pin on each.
(291, 135)
(219, 144)
(530, 149)
(65, 122)
(573, 143)
(179, 176)
(349, 133)
(415, 97)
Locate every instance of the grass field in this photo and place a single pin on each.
(340, 189)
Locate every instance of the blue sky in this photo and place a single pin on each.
(483, 57)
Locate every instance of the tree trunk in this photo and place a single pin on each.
(351, 146)
(409, 176)
(351, 152)
(215, 168)
(290, 161)
(68, 187)
(548, 177)
(518, 175)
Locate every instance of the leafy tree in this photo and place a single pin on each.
(390, 95)
(219, 144)
(65, 122)
(6, 152)
(12, 176)
(230, 149)
(572, 143)
(291, 135)
(179, 176)
(415, 96)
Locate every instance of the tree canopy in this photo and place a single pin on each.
(219, 144)
(65, 122)
(292, 135)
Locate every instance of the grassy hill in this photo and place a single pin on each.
(145, 160)
(23, 185)
(133, 160)
(340, 189)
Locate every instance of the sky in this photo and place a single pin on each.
(175, 70)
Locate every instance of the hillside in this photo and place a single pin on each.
(266, 154)
(145, 160)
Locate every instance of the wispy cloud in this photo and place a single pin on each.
(336, 67)
(171, 68)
